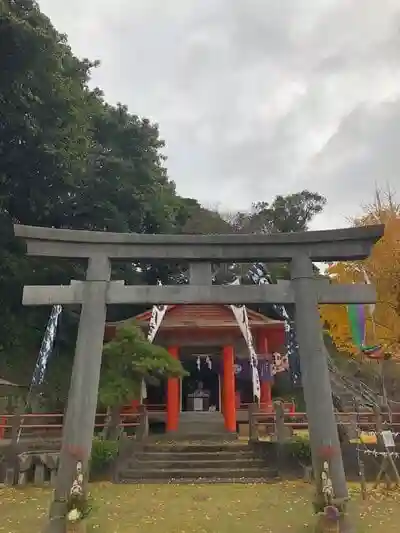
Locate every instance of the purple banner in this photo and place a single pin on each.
(243, 370)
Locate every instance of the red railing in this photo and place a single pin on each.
(49, 423)
(289, 407)
(156, 407)
(39, 423)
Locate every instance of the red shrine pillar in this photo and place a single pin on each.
(173, 396)
(229, 388)
(262, 351)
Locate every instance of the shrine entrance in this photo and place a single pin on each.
(210, 345)
(201, 389)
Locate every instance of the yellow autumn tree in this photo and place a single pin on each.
(382, 268)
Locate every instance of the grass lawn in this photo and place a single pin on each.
(238, 508)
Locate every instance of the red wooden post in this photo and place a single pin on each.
(266, 396)
(173, 394)
(3, 424)
(229, 388)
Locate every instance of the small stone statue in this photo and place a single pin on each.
(329, 519)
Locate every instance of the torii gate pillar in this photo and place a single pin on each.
(324, 439)
(82, 402)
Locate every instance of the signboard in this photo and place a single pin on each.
(368, 437)
(388, 439)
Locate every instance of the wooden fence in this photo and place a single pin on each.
(261, 422)
(261, 419)
(49, 425)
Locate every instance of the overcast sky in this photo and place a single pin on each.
(255, 97)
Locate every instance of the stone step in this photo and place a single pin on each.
(196, 438)
(195, 464)
(201, 423)
(202, 481)
(195, 456)
(201, 415)
(197, 473)
(201, 427)
(205, 447)
(198, 461)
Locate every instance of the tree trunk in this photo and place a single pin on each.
(111, 428)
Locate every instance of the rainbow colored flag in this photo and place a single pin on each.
(356, 314)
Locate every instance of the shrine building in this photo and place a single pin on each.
(208, 342)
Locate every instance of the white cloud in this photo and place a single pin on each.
(255, 98)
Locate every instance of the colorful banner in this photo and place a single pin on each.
(45, 352)
(259, 275)
(46, 347)
(356, 313)
(280, 363)
(243, 370)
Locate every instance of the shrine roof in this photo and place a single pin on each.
(200, 316)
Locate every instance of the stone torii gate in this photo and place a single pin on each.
(200, 251)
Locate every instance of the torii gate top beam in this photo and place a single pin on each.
(328, 245)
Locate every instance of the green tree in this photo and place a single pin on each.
(206, 222)
(44, 143)
(290, 213)
(286, 214)
(68, 160)
(127, 360)
(128, 183)
(44, 108)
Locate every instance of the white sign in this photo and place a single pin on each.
(388, 439)
(197, 404)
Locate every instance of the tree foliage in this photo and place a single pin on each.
(128, 359)
(383, 269)
(206, 222)
(70, 160)
(286, 214)
(67, 160)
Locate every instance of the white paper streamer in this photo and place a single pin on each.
(240, 313)
(396, 455)
(157, 315)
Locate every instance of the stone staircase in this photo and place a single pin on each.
(202, 425)
(193, 462)
(350, 390)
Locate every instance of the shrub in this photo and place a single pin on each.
(299, 448)
(104, 452)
